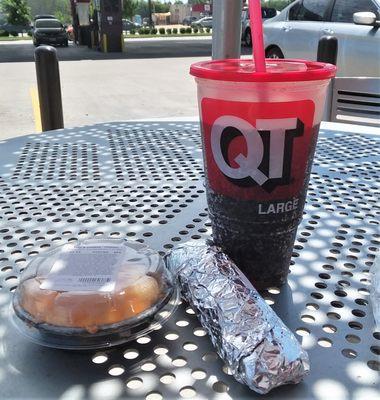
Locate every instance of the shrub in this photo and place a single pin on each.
(15, 34)
(208, 30)
(175, 31)
(4, 33)
(201, 30)
(188, 30)
(132, 32)
(141, 31)
(30, 33)
(195, 30)
(182, 30)
(153, 31)
(168, 31)
(162, 31)
(146, 31)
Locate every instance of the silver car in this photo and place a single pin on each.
(295, 33)
(205, 22)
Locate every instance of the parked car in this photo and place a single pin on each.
(49, 31)
(189, 20)
(295, 33)
(205, 22)
(146, 21)
(128, 25)
(266, 13)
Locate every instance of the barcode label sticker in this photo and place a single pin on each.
(86, 268)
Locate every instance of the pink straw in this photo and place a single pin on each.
(257, 35)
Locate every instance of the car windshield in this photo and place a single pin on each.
(48, 23)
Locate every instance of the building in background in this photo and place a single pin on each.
(161, 18)
(178, 12)
(201, 10)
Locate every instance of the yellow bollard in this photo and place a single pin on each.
(105, 47)
(122, 43)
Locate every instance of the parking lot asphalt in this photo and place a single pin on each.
(22, 51)
(150, 79)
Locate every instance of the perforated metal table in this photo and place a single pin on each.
(143, 180)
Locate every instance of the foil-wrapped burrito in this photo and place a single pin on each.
(247, 334)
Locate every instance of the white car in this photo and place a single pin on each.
(296, 31)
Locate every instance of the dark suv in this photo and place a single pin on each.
(49, 31)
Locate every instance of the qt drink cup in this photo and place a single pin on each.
(259, 132)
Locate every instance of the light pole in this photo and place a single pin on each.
(226, 29)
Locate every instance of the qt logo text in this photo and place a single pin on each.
(269, 150)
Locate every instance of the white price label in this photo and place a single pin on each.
(85, 268)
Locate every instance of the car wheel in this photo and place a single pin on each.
(248, 38)
(274, 52)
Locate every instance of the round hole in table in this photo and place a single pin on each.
(220, 387)
(116, 370)
(355, 325)
(182, 323)
(148, 366)
(167, 378)
(325, 342)
(328, 328)
(312, 306)
(187, 392)
(307, 318)
(189, 346)
(135, 383)
(198, 374)
(353, 338)
(179, 362)
(349, 353)
(131, 354)
(172, 336)
(154, 396)
(160, 350)
(374, 365)
(99, 358)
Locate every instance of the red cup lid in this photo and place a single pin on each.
(278, 70)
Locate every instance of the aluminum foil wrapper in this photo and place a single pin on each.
(260, 350)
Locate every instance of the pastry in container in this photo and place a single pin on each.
(93, 294)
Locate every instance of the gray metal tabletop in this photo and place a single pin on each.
(143, 181)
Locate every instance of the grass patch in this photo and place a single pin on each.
(128, 36)
(14, 38)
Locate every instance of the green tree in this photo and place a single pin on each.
(17, 11)
(130, 8)
(142, 9)
(277, 4)
(160, 7)
(60, 8)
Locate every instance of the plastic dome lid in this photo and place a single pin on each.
(93, 294)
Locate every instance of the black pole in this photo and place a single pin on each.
(327, 49)
(49, 88)
(150, 13)
(328, 53)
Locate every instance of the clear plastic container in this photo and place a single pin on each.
(93, 294)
